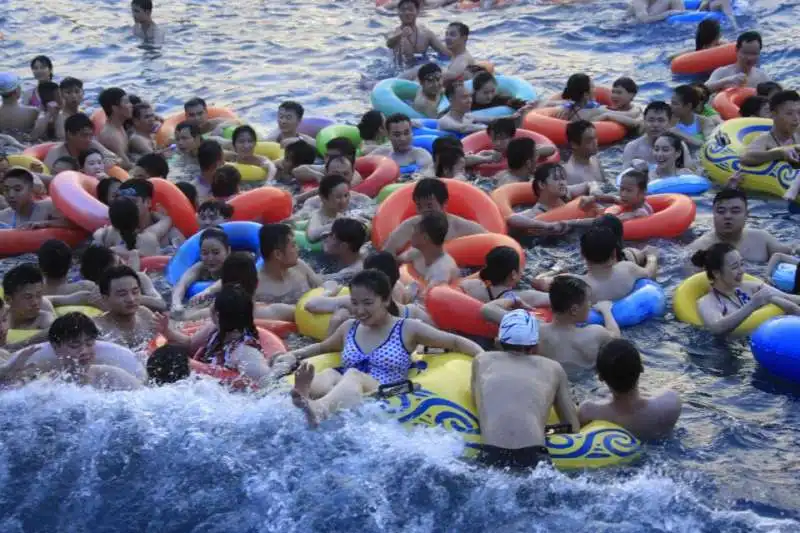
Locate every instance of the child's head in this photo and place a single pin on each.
(340, 165)
(107, 190)
(755, 106)
(18, 188)
(277, 244)
(768, 89)
(346, 238)
(209, 156)
(213, 213)
(239, 268)
(95, 260)
(599, 245)
(550, 181)
(450, 163)
(297, 154)
(371, 126)
(668, 151)
(633, 188)
(570, 296)
(115, 103)
(214, 249)
(430, 231)
(91, 162)
(623, 91)
(124, 217)
(430, 79)
(168, 363)
(244, 140)
(189, 191)
(484, 87)
(187, 137)
(502, 267)
(65, 163)
(42, 68)
(685, 100)
(582, 137)
(23, 288)
(619, 365)
(55, 258)
(340, 147)
(334, 192)
(150, 165)
(430, 195)
(501, 131)
(289, 116)
(521, 154)
(141, 10)
(708, 34)
(225, 182)
(49, 92)
(578, 89)
(386, 263)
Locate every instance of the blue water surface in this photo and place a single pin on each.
(194, 459)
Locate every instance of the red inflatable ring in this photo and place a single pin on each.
(727, 102)
(480, 140)
(265, 204)
(508, 196)
(378, 172)
(703, 61)
(673, 214)
(23, 241)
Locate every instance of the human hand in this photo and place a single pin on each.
(604, 306)
(640, 165)
(735, 180)
(790, 154)
(406, 31)
(586, 202)
(22, 357)
(160, 323)
(558, 228)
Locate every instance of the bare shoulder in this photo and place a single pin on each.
(112, 378)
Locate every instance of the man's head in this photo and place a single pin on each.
(501, 131)
(685, 100)
(116, 104)
(168, 364)
(623, 91)
(398, 126)
(55, 258)
(71, 92)
(213, 213)
(23, 288)
(142, 10)
(748, 50)
(518, 332)
(730, 212)
(430, 231)
(430, 195)
(289, 116)
(619, 365)
(188, 137)
(79, 132)
(141, 192)
(755, 106)
(225, 182)
(121, 290)
(430, 79)
(277, 245)
(297, 154)
(340, 165)
(522, 155)
(152, 165)
(144, 118)
(582, 137)
(72, 338)
(408, 10)
(340, 147)
(18, 188)
(657, 116)
(10, 86)
(459, 96)
(210, 156)
(598, 246)
(95, 260)
(196, 111)
(785, 109)
(455, 38)
(346, 238)
(570, 298)
(334, 192)
(768, 89)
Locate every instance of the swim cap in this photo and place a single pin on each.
(9, 83)
(519, 328)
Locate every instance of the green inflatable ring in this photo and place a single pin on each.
(303, 243)
(388, 190)
(337, 130)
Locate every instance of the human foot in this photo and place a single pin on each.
(301, 393)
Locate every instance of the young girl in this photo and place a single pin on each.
(334, 194)
(91, 162)
(214, 249)
(372, 130)
(42, 69)
(498, 279)
(578, 103)
(123, 235)
(633, 195)
(376, 350)
(244, 141)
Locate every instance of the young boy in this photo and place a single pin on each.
(55, 260)
(622, 109)
(290, 114)
(118, 109)
(343, 245)
(210, 157)
(225, 183)
(692, 128)
(401, 150)
(427, 99)
(521, 154)
(23, 290)
(633, 195)
(411, 40)
(583, 166)
(619, 366)
(432, 263)
(213, 213)
(23, 211)
(71, 95)
(143, 25)
(514, 390)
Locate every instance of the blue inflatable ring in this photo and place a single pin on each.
(647, 300)
(409, 169)
(783, 277)
(241, 235)
(392, 96)
(775, 347)
(516, 87)
(689, 184)
(692, 15)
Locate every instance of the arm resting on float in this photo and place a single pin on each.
(421, 333)
(722, 325)
(187, 278)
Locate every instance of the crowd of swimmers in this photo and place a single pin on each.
(382, 322)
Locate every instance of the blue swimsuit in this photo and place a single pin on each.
(389, 363)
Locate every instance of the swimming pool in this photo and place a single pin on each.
(194, 459)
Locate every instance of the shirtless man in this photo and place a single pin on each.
(426, 102)
(458, 118)
(55, 260)
(427, 257)
(118, 109)
(430, 195)
(15, 119)
(609, 279)
(730, 219)
(143, 25)
(743, 73)
(23, 288)
(522, 157)
(563, 340)
(144, 124)
(79, 137)
(290, 116)
(71, 96)
(196, 111)
(343, 245)
(657, 118)
(461, 61)
(619, 366)
(583, 166)
(514, 390)
(782, 141)
(23, 211)
(622, 109)
(410, 40)
(401, 150)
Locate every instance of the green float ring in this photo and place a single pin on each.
(338, 130)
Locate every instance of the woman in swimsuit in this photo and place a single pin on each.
(485, 94)
(376, 350)
(731, 299)
(214, 249)
(498, 279)
(244, 141)
(42, 69)
(578, 103)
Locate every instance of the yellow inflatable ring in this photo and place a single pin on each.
(684, 303)
(720, 157)
(25, 161)
(444, 398)
(269, 149)
(310, 324)
(20, 335)
(250, 172)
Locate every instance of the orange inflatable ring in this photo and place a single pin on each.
(23, 241)
(265, 204)
(117, 172)
(727, 102)
(508, 196)
(454, 310)
(75, 195)
(703, 61)
(673, 214)
(40, 151)
(465, 200)
(154, 263)
(475, 142)
(542, 120)
(98, 119)
(166, 133)
(378, 172)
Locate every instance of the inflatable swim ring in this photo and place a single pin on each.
(26, 161)
(542, 120)
(480, 140)
(672, 215)
(647, 300)
(702, 61)
(684, 303)
(783, 277)
(166, 133)
(692, 14)
(728, 101)
(23, 241)
(264, 204)
(774, 345)
(311, 126)
(444, 399)
(720, 157)
(688, 184)
(393, 95)
(250, 173)
(388, 190)
(314, 325)
(328, 133)
(378, 172)
(517, 88)
(465, 200)
(506, 197)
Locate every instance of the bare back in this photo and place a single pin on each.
(647, 418)
(571, 346)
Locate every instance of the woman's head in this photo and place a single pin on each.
(708, 34)
(240, 269)
(450, 163)
(384, 262)
(550, 180)
(214, 248)
(371, 126)
(91, 162)
(233, 311)
(722, 263)
(484, 87)
(371, 297)
(668, 151)
(578, 88)
(244, 140)
(42, 68)
(633, 188)
(502, 267)
(124, 216)
(334, 192)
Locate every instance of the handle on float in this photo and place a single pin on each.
(552, 429)
(395, 389)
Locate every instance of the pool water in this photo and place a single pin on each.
(192, 458)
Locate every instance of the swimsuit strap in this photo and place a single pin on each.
(741, 299)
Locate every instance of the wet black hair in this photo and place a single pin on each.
(190, 192)
(751, 106)
(194, 102)
(703, 92)
(766, 87)
(481, 79)
(20, 173)
(20, 276)
(144, 5)
(344, 146)
(462, 28)
(640, 178)
(194, 131)
(240, 268)
(226, 181)
(124, 216)
(566, 291)
(242, 130)
(435, 226)
(598, 245)
(70, 83)
(300, 153)
(55, 258)
(427, 69)
(116, 272)
(69, 160)
(543, 173)
(430, 187)
(677, 145)
(48, 92)
(451, 88)
(95, 260)
(520, 151)
(77, 122)
(168, 364)
(445, 143)
(446, 160)
(708, 31)
(290, 105)
(47, 62)
(225, 210)
(713, 258)
(658, 107)
(502, 126)
(274, 237)
(370, 123)
(615, 225)
(109, 98)
(749, 37)
(328, 183)
(576, 129)
(500, 262)
(386, 263)
(234, 307)
(729, 193)
(396, 118)
(85, 155)
(209, 154)
(139, 108)
(619, 365)
(349, 231)
(141, 187)
(71, 327)
(215, 233)
(578, 85)
(415, 2)
(780, 98)
(688, 95)
(377, 282)
(626, 83)
(154, 164)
